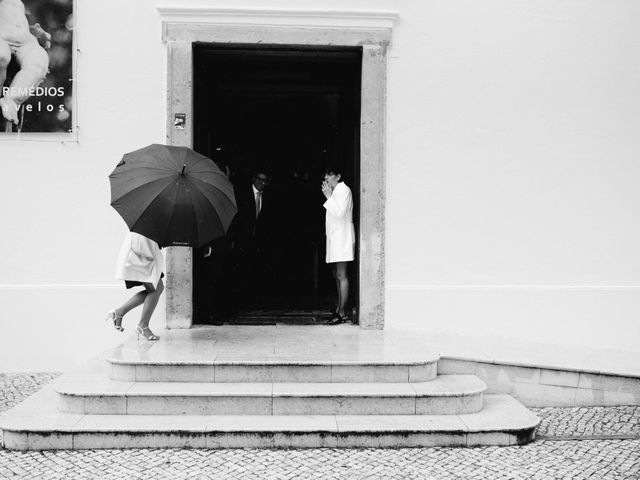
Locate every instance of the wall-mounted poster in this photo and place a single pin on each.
(36, 72)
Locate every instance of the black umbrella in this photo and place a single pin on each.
(172, 195)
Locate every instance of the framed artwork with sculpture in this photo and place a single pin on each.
(36, 66)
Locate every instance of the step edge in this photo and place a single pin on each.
(207, 429)
(285, 394)
(293, 363)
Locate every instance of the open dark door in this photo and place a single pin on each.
(287, 112)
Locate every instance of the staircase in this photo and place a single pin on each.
(267, 387)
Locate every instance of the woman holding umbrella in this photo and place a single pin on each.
(139, 264)
(170, 196)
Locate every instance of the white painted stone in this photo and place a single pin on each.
(609, 382)
(50, 441)
(71, 404)
(239, 440)
(450, 385)
(301, 373)
(500, 413)
(105, 405)
(351, 405)
(175, 373)
(621, 398)
(399, 423)
(123, 372)
(449, 405)
(270, 423)
(200, 389)
(313, 414)
(479, 439)
(559, 378)
(507, 374)
(304, 440)
(536, 395)
(119, 440)
(202, 405)
(374, 389)
(241, 373)
(585, 397)
(381, 440)
(448, 366)
(142, 423)
(179, 260)
(423, 373)
(15, 440)
(369, 373)
(90, 385)
(382, 16)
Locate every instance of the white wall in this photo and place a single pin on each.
(60, 237)
(513, 137)
(511, 169)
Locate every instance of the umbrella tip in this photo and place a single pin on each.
(183, 167)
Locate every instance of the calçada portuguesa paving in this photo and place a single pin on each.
(572, 443)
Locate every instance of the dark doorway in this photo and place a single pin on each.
(288, 112)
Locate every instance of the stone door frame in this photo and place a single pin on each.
(179, 38)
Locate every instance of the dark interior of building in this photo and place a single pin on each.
(288, 113)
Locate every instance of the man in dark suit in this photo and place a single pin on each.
(211, 274)
(252, 239)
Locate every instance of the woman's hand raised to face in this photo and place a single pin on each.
(326, 189)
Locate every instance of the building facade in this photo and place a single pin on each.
(497, 167)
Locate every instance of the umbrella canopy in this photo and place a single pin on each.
(172, 195)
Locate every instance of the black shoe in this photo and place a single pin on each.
(337, 319)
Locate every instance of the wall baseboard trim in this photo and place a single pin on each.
(512, 287)
(61, 286)
(539, 386)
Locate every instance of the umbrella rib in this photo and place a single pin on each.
(144, 212)
(201, 158)
(192, 194)
(231, 195)
(128, 192)
(137, 167)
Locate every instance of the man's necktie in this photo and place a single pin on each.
(258, 203)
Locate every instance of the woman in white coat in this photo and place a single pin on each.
(140, 263)
(340, 236)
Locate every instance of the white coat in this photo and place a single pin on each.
(140, 259)
(339, 228)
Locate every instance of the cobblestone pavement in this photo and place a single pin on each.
(15, 387)
(593, 422)
(574, 443)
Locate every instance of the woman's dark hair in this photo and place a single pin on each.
(334, 170)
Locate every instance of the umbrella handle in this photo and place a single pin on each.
(183, 167)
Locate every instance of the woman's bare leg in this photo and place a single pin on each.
(335, 276)
(149, 305)
(343, 286)
(133, 302)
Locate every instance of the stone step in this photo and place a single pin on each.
(447, 394)
(275, 368)
(36, 425)
(265, 354)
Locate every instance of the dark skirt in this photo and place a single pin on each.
(134, 283)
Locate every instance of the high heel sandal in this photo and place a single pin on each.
(337, 319)
(115, 319)
(146, 333)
